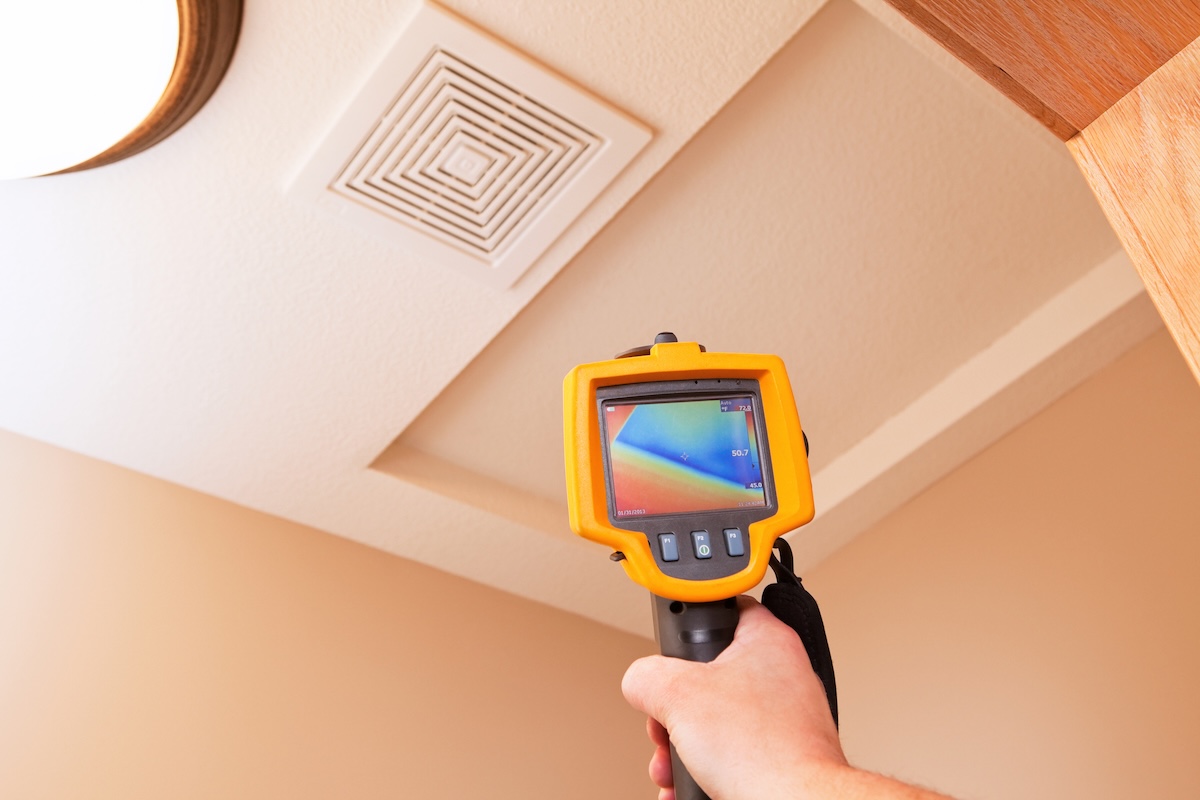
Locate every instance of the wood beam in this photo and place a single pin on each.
(1142, 158)
(1119, 81)
(1065, 62)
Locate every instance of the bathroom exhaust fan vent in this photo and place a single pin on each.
(476, 157)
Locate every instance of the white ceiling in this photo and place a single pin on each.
(926, 259)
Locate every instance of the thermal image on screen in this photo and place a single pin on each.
(682, 457)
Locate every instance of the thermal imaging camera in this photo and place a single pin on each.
(689, 464)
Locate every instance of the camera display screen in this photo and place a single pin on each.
(680, 457)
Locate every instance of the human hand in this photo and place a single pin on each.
(754, 723)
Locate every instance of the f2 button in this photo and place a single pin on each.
(701, 544)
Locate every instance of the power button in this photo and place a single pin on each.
(701, 544)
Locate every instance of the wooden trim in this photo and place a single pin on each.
(208, 34)
(1064, 61)
(1142, 158)
(1119, 80)
(977, 60)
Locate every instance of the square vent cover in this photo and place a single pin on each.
(467, 153)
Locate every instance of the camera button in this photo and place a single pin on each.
(668, 546)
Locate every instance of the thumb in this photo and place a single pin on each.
(651, 685)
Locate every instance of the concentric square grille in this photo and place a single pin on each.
(468, 155)
(465, 157)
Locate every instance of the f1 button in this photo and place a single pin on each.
(668, 546)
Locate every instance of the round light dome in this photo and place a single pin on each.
(85, 83)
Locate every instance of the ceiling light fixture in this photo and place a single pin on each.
(84, 84)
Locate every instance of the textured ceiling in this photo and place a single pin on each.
(867, 247)
(927, 261)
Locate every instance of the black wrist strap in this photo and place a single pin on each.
(788, 600)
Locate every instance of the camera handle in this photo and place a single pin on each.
(694, 632)
(701, 631)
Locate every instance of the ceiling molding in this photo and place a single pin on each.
(1075, 333)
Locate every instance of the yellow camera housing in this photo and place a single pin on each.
(681, 373)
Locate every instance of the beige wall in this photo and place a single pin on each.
(1029, 627)
(159, 643)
